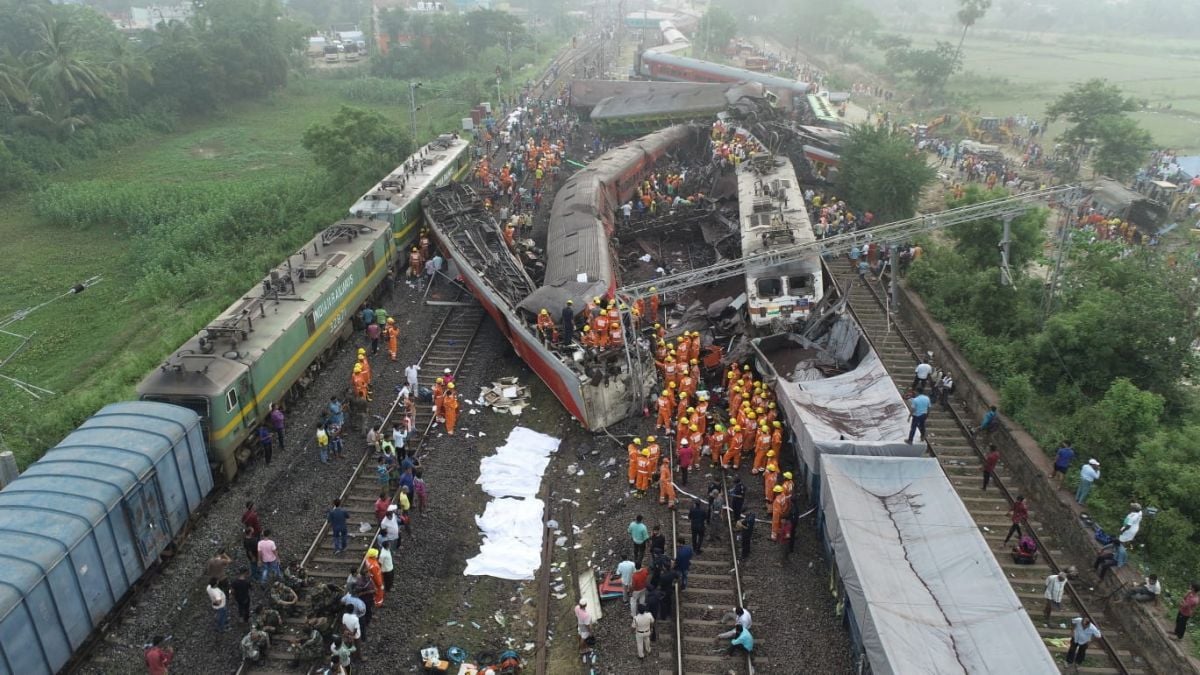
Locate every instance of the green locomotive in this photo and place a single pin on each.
(258, 350)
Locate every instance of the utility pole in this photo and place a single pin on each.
(1005, 243)
(412, 101)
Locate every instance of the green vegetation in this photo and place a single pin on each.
(1107, 370)
(1096, 111)
(718, 26)
(359, 145)
(929, 69)
(72, 87)
(882, 173)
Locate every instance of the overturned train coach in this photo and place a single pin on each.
(580, 265)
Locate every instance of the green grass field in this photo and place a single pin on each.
(91, 349)
(1038, 67)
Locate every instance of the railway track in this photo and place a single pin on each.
(714, 587)
(962, 460)
(448, 348)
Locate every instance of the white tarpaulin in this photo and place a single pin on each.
(512, 522)
(926, 591)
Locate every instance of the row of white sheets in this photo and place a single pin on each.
(511, 523)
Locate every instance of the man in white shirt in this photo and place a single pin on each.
(738, 616)
(643, 624)
(921, 375)
(1055, 585)
(1132, 523)
(391, 528)
(216, 597)
(1081, 636)
(387, 567)
(625, 570)
(410, 375)
(351, 625)
(1148, 591)
(1088, 475)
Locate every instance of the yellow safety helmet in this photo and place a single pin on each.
(650, 439)
(545, 311)
(694, 362)
(777, 488)
(586, 328)
(372, 553)
(658, 325)
(654, 289)
(772, 467)
(693, 427)
(746, 368)
(683, 395)
(637, 441)
(450, 386)
(751, 415)
(770, 453)
(358, 367)
(361, 351)
(720, 427)
(736, 428)
(691, 409)
(391, 320)
(787, 475)
(596, 300)
(776, 424)
(646, 453)
(666, 393)
(440, 380)
(672, 385)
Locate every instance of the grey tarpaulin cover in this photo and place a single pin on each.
(856, 413)
(927, 593)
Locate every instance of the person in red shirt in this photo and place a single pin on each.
(637, 596)
(158, 657)
(381, 506)
(989, 464)
(1187, 608)
(1019, 512)
(686, 454)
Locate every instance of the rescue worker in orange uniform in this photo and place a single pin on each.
(666, 488)
(616, 338)
(362, 358)
(700, 419)
(733, 456)
(776, 437)
(670, 369)
(450, 406)
(423, 242)
(735, 399)
(660, 332)
(683, 403)
(695, 369)
(439, 396)
(645, 468)
(666, 410)
(587, 337)
(716, 444)
(695, 437)
(600, 328)
(686, 383)
(770, 480)
(683, 422)
(683, 349)
(376, 574)
(788, 485)
(392, 333)
(414, 263)
(359, 381)
(546, 327)
(762, 445)
(635, 451)
(779, 509)
(655, 450)
(654, 301)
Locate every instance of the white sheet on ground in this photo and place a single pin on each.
(512, 522)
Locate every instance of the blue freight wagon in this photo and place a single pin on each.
(84, 523)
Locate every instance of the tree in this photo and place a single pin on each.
(357, 146)
(930, 68)
(882, 172)
(1122, 147)
(57, 69)
(1085, 106)
(979, 241)
(12, 84)
(717, 27)
(969, 11)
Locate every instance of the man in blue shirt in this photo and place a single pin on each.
(741, 640)
(1062, 461)
(683, 561)
(920, 412)
(639, 534)
(989, 422)
(337, 518)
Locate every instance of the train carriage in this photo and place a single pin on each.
(773, 215)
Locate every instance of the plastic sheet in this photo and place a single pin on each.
(512, 522)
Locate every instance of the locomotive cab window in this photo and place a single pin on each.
(231, 400)
(769, 288)
(800, 283)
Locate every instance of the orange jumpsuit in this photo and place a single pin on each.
(616, 338)
(681, 427)
(644, 469)
(666, 489)
(545, 326)
(788, 487)
(716, 445)
(654, 306)
(686, 383)
(779, 509)
(366, 368)
(770, 478)
(666, 408)
(683, 402)
(682, 351)
(600, 330)
(634, 454)
(762, 443)
(776, 440)
(733, 456)
(450, 406)
(393, 339)
(696, 440)
(439, 397)
(698, 419)
(655, 453)
(359, 382)
(748, 434)
(376, 574)
(670, 372)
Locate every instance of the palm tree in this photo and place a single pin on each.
(57, 69)
(126, 65)
(969, 12)
(12, 85)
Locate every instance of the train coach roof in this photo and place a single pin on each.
(740, 74)
(927, 593)
(587, 93)
(46, 511)
(695, 98)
